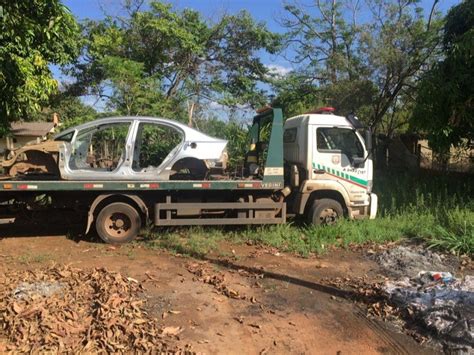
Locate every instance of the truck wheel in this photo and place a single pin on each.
(118, 223)
(325, 212)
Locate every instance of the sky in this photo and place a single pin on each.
(264, 10)
(268, 11)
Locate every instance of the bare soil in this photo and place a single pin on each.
(242, 299)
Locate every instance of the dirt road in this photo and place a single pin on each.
(244, 299)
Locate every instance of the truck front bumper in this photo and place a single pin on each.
(366, 209)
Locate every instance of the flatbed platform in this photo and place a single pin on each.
(96, 185)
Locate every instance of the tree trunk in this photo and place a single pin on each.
(191, 105)
(334, 43)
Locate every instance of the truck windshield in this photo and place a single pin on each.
(344, 140)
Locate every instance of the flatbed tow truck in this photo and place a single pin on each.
(315, 165)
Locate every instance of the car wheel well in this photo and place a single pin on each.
(189, 169)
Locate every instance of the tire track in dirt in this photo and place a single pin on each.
(382, 333)
(397, 342)
(389, 343)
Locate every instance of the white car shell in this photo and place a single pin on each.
(194, 146)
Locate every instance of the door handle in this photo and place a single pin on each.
(319, 171)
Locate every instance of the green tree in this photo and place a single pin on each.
(397, 45)
(161, 61)
(133, 93)
(445, 101)
(368, 66)
(33, 34)
(71, 110)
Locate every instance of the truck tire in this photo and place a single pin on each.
(325, 211)
(118, 223)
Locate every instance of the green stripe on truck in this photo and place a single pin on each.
(341, 174)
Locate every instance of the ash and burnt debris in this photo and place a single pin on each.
(423, 289)
(421, 293)
(408, 261)
(439, 303)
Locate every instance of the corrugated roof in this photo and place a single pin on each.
(35, 129)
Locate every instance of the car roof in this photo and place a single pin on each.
(188, 131)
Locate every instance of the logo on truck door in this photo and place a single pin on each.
(342, 175)
(336, 159)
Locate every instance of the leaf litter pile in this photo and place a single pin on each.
(64, 309)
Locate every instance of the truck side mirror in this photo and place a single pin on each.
(357, 161)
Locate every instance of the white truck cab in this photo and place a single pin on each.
(330, 167)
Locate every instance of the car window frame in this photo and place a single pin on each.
(76, 134)
(173, 151)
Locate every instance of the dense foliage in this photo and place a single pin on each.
(173, 63)
(156, 60)
(369, 67)
(33, 34)
(445, 102)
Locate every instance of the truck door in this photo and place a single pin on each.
(334, 151)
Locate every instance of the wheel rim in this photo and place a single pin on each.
(328, 216)
(118, 224)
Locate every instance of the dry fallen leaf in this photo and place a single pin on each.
(61, 309)
(17, 308)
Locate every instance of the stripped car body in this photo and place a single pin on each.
(121, 148)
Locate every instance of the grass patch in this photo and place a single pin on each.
(436, 210)
(191, 241)
(456, 233)
(29, 258)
